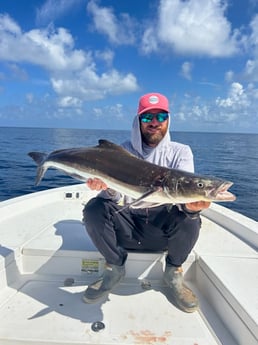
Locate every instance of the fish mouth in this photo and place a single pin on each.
(221, 193)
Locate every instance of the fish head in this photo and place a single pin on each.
(199, 188)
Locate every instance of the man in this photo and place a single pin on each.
(172, 228)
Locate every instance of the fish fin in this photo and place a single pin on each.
(108, 144)
(149, 192)
(40, 173)
(105, 144)
(137, 201)
(146, 204)
(38, 157)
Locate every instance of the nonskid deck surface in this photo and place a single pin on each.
(45, 256)
(46, 311)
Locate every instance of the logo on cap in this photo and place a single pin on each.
(153, 99)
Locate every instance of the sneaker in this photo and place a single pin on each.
(111, 277)
(181, 295)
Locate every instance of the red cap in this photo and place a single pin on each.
(152, 101)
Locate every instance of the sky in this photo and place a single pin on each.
(85, 63)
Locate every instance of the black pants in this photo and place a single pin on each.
(154, 229)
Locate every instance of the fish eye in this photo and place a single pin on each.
(200, 185)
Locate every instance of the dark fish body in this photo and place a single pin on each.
(132, 176)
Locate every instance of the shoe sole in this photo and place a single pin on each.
(174, 300)
(95, 300)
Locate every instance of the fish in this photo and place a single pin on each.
(132, 176)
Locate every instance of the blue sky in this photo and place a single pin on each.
(84, 64)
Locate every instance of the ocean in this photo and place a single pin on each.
(230, 156)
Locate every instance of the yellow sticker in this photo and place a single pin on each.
(90, 266)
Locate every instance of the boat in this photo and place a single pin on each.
(47, 260)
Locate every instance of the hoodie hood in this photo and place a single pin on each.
(151, 154)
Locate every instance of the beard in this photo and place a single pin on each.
(153, 139)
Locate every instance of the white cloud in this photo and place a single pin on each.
(186, 70)
(229, 76)
(197, 27)
(69, 101)
(237, 98)
(254, 28)
(149, 41)
(73, 72)
(17, 71)
(53, 9)
(8, 25)
(49, 48)
(119, 30)
(105, 55)
(90, 86)
(116, 111)
(30, 98)
(251, 68)
(236, 112)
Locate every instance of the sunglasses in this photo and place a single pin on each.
(148, 117)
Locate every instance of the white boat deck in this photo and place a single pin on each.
(45, 255)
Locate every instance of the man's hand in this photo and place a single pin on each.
(96, 184)
(197, 206)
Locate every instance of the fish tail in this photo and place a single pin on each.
(39, 158)
(40, 173)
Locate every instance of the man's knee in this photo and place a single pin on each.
(195, 225)
(94, 216)
(93, 208)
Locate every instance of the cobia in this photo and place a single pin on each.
(132, 176)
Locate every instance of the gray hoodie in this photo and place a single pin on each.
(167, 153)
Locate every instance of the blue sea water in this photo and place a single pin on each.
(227, 155)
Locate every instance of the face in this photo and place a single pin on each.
(153, 132)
